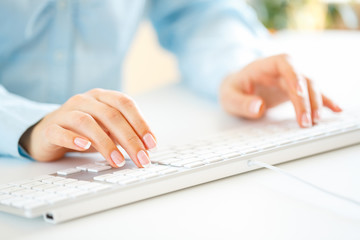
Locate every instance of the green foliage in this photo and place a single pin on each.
(275, 14)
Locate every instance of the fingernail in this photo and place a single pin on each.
(255, 106)
(143, 158)
(316, 116)
(306, 120)
(117, 158)
(82, 143)
(149, 141)
(337, 108)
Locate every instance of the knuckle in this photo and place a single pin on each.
(76, 99)
(126, 100)
(104, 142)
(48, 131)
(133, 140)
(111, 114)
(95, 91)
(142, 127)
(82, 118)
(284, 56)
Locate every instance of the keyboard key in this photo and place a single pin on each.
(40, 178)
(89, 185)
(79, 193)
(68, 171)
(21, 203)
(99, 168)
(45, 196)
(43, 187)
(66, 191)
(99, 188)
(102, 163)
(231, 155)
(116, 178)
(3, 186)
(184, 162)
(9, 201)
(21, 182)
(156, 168)
(128, 181)
(53, 179)
(56, 199)
(24, 193)
(64, 182)
(32, 184)
(124, 171)
(136, 173)
(5, 196)
(194, 164)
(11, 189)
(213, 159)
(85, 167)
(55, 189)
(149, 175)
(103, 177)
(39, 195)
(169, 160)
(157, 159)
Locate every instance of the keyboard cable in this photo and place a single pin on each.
(285, 173)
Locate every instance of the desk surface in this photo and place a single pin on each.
(255, 205)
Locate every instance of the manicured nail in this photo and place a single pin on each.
(149, 141)
(117, 158)
(316, 116)
(306, 120)
(82, 143)
(255, 106)
(143, 158)
(337, 108)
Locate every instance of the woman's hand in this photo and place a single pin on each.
(100, 119)
(268, 82)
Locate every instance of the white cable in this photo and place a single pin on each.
(283, 172)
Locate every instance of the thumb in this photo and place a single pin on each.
(244, 105)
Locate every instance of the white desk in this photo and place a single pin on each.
(255, 205)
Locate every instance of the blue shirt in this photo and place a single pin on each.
(53, 49)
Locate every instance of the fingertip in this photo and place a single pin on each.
(82, 143)
(336, 108)
(257, 108)
(117, 158)
(305, 120)
(315, 116)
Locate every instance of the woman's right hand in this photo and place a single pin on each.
(99, 119)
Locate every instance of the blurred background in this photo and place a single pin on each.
(148, 66)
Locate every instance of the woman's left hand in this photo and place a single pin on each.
(266, 83)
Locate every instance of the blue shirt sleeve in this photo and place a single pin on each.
(17, 114)
(211, 39)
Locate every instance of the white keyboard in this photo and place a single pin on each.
(82, 190)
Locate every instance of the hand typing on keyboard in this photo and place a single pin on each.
(96, 120)
(268, 82)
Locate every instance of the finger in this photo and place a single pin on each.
(297, 89)
(243, 105)
(59, 136)
(86, 125)
(118, 128)
(330, 104)
(129, 110)
(315, 100)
